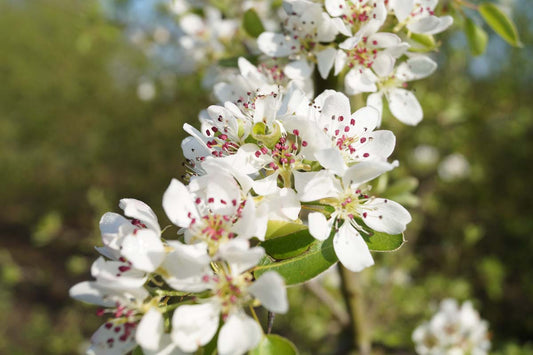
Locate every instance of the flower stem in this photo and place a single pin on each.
(254, 315)
(353, 297)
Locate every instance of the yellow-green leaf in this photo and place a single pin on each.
(252, 23)
(500, 23)
(477, 37)
(281, 228)
(272, 344)
(425, 43)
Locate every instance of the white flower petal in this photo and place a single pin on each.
(402, 8)
(239, 255)
(144, 250)
(298, 69)
(366, 171)
(166, 347)
(340, 61)
(415, 68)
(430, 25)
(139, 210)
(220, 191)
(110, 222)
(341, 27)
(383, 40)
(325, 60)
(360, 80)
(404, 106)
(108, 274)
(366, 119)
(269, 288)
(383, 65)
(194, 325)
(378, 146)
(350, 42)
(319, 226)
(351, 249)
(250, 222)
(179, 204)
(385, 215)
(91, 292)
(213, 165)
(150, 329)
(331, 159)
(186, 265)
(336, 104)
(327, 28)
(375, 100)
(108, 341)
(313, 186)
(335, 7)
(268, 185)
(277, 44)
(239, 334)
(246, 161)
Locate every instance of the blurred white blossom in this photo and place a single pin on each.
(454, 167)
(453, 330)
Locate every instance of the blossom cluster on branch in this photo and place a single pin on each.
(270, 164)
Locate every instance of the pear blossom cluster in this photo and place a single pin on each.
(302, 161)
(271, 151)
(454, 329)
(375, 48)
(144, 283)
(364, 41)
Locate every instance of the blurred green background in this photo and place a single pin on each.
(75, 138)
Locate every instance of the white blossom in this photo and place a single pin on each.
(453, 329)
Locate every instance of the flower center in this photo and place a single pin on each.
(362, 54)
(357, 15)
(232, 291)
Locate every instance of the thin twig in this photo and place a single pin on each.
(353, 296)
(324, 296)
(270, 322)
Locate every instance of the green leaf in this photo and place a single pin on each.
(272, 344)
(280, 228)
(137, 351)
(288, 245)
(252, 23)
(477, 37)
(319, 257)
(500, 23)
(427, 42)
(379, 241)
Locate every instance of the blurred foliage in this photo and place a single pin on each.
(75, 138)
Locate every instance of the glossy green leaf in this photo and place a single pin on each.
(319, 257)
(379, 241)
(252, 23)
(477, 37)
(137, 351)
(281, 228)
(288, 245)
(272, 344)
(500, 23)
